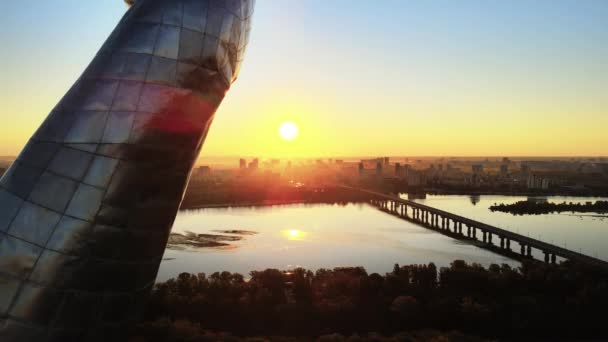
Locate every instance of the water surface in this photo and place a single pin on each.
(313, 236)
(584, 232)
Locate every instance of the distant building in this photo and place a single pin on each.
(504, 169)
(361, 169)
(525, 168)
(406, 169)
(538, 182)
(378, 168)
(254, 164)
(242, 163)
(200, 172)
(386, 160)
(398, 170)
(415, 178)
(477, 168)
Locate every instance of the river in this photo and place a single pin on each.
(317, 236)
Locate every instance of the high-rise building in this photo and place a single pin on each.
(242, 163)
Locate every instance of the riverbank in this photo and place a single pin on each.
(434, 191)
(245, 204)
(543, 207)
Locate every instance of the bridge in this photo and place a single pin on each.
(478, 233)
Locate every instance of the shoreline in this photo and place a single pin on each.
(515, 193)
(258, 204)
(266, 203)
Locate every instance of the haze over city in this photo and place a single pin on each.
(462, 78)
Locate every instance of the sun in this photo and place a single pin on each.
(288, 131)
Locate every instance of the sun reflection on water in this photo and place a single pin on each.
(294, 234)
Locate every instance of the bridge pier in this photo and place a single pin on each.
(502, 242)
(490, 238)
(508, 244)
(546, 256)
(529, 254)
(484, 236)
(523, 249)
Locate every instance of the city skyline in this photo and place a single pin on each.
(440, 79)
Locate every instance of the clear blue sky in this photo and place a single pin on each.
(358, 77)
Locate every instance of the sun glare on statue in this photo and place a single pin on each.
(288, 131)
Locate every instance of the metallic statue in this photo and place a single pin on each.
(87, 207)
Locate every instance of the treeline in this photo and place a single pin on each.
(535, 207)
(534, 301)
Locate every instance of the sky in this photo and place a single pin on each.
(358, 78)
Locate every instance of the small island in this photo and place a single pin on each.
(543, 207)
